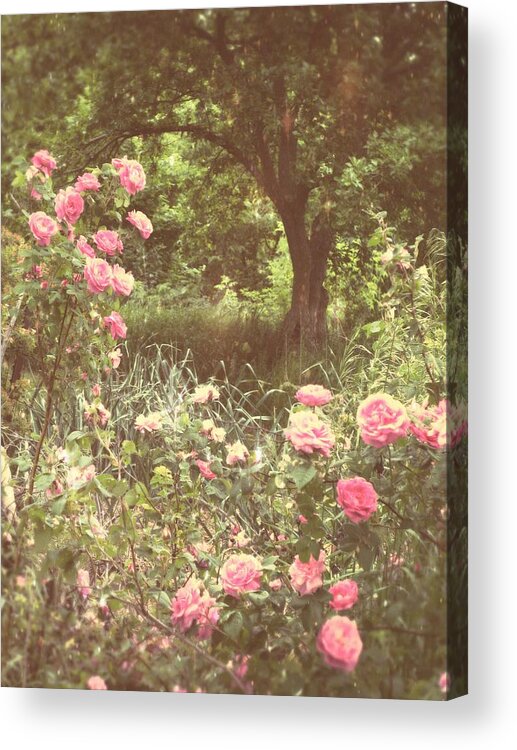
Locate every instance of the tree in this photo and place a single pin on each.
(290, 94)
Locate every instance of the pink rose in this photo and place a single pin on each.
(98, 275)
(44, 161)
(205, 393)
(96, 390)
(122, 281)
(275, 584)
(69, 205)
(96, 683)
(55, 489)
(115, 322)
(87, 181)
(108, 241)
(444, 682)
(149, 423)
(237, 453)
(313, 395)
(205, 470)
(83, 583)
(302, 519)
(131, 174)
(308, 434)
(241, 573)
(141, 222)
(97, 414)
(382, 420)
(85, 248)
(192, 605)
(357, 497)
(42, 227)
(35, 194)
(306, 578)
(345, 594)
(437, 426)
(340, 643)
(115, 357)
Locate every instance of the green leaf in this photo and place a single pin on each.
(43, 482)
(233, 625)
(302, 475)
(258, 597)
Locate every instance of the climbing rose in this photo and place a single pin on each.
(69, 205)
(149, 423)
(44, 161)
(141, 222)
(131, 174)
(108, 241)
(42, 227)
(122, 281)
(205, 393)
(98, 275)
(382, 420)
(87, 181)
(306, 578)
(191, 606)
(313, 395)
(308, 434)
(344, 593)
(83, 583)
(340, 643)
(237, 452)
(241, 573)
(96, 683)
(115, 357)
(205, 470)
(357, 497)
(85, 248)
(115, 322)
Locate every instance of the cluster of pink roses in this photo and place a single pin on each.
(438, 426)
(100, 276)
(306, 431)
(338, 639)
(382, 420)
(69, 206)
(194, 605)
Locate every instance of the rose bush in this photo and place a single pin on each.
(187, 538)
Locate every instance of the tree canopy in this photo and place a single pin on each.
(302, 118)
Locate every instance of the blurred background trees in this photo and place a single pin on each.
(272, 136)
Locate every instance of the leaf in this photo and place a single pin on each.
(162, 598)
(365, 557)
(258, 597)
(233, 625)
(302, 475)
(43, 482)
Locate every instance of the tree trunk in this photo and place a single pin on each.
(305, 325)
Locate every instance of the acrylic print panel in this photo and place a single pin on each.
(234, 352)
